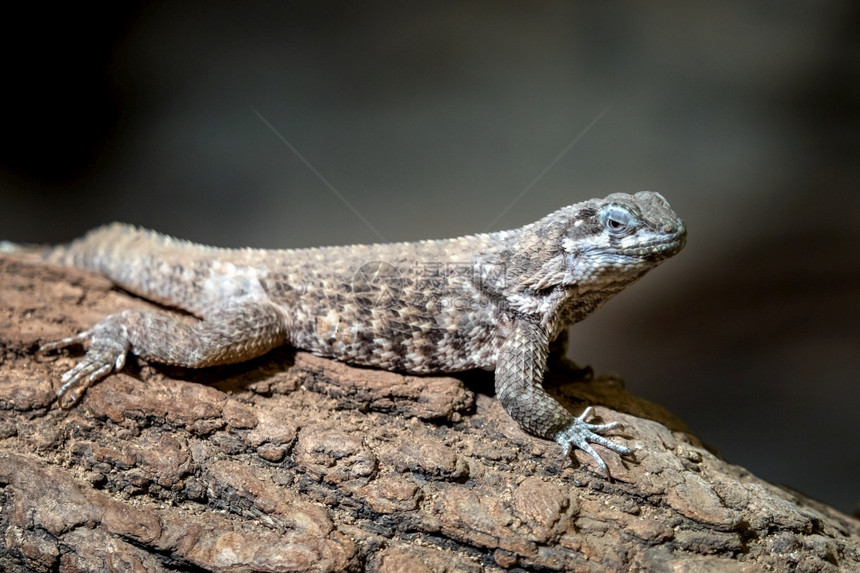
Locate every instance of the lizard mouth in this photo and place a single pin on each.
(658, 250)
(651, 253)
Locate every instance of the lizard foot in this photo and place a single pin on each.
(580, 434)
(107, 352)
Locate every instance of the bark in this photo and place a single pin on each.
(295, 463)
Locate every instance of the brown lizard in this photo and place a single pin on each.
(494, 300)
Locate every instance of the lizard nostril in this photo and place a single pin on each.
(669, 228)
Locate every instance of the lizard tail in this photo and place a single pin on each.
(25, 250)
(152, 265)
(92, 251)
(100, 250)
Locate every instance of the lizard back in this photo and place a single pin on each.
(393, 305)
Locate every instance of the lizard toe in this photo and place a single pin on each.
(102, 358)
(580, 434)
(78, 338)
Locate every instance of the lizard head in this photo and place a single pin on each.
(606, 243)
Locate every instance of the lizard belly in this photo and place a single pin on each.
(386, 339)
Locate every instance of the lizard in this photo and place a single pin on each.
(494, 300)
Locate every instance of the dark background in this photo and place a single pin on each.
(432, 120)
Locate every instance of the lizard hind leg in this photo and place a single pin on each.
(239, 331)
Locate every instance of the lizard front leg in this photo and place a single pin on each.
(519, 374)
(237, 332)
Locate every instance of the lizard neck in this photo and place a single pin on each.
(575, 307)
(560, 307)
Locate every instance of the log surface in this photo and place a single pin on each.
(296, 463)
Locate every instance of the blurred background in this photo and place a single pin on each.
(274, 124)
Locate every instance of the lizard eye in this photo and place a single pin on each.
(617, 220)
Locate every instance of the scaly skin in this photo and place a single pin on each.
(493, 300)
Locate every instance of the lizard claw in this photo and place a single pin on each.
(106, 354)
(581, 434)
(64, 342)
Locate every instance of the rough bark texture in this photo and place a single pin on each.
(296, 463)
